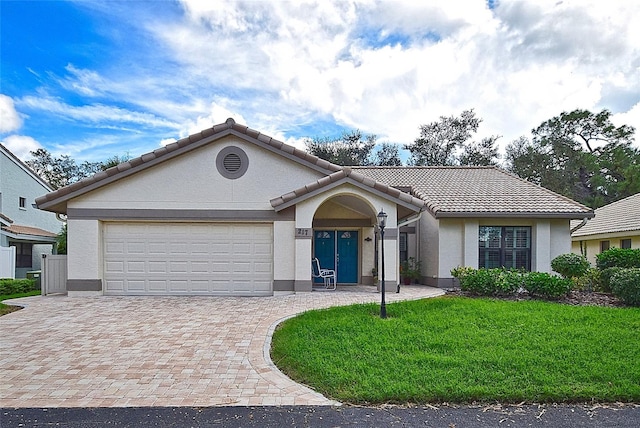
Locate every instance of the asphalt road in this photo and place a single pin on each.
(546, 415)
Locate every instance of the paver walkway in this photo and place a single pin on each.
(157, 351)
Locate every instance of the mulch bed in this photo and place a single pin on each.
(575, 298)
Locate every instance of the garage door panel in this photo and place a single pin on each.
(168, 258)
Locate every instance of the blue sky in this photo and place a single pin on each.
(97, 79)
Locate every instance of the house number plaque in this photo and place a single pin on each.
(304, 232)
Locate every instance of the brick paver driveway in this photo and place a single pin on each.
(157, 351)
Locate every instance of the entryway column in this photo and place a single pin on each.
(303, 239)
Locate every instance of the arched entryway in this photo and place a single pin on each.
(343, 238)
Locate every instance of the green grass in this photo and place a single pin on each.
(5, 309)
(454, 349)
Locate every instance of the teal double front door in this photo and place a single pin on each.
(337, 250)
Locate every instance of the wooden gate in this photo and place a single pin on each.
(54, 274)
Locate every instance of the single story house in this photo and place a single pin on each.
(614, 225)
(231, 211)
(26, 233)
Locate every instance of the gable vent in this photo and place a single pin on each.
(232, 163)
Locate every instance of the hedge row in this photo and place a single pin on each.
(15, 286)
(501, 282)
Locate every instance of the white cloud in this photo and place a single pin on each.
(21, 146)
(10, 120)
(95, 113)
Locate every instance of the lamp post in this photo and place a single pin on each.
(382, 222)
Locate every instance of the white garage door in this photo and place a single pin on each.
(193, 258)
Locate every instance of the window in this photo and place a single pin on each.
(22, 202)
(625, 243)
(23, 254)
(505, 246)
(604, 246)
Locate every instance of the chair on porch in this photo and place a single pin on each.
(328, 275)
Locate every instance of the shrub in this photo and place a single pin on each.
(547, 286)
(625, 284)
(570, 265)
(618, 257)
(488, 282)
(605, 278)
(14, 286)
(590, 281)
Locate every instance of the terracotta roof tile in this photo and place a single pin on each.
(620, 216)
(28, 230)
(468, 190)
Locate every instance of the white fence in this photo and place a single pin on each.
(8, 262)
(54, 274)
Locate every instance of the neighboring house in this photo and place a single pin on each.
(231, 211)
(30, 231)
(615, 225)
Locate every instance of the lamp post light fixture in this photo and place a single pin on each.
(382, 222)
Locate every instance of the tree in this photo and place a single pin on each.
(580, 155)
(441, 142)
(387, 155)
(62, 171)
(352, 148)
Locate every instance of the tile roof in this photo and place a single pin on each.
(445, 191)
(477, 191)
(346, 174)
(28, 230)
(620, 216)
(56, 201)
(5, 219)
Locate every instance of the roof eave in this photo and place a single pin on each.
(506, 214)
(347, 180)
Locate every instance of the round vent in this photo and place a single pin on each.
(232, 162)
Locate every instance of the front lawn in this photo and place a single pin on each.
(457, 349)
(6, 309)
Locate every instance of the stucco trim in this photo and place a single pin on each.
(303, 285)
(177, 215)
(283, 285)
(458, 214)
(84, 285)
(446, 283)
(279, 206)
(336, 222)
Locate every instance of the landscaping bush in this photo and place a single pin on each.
(15, 286)
(618, 257)
(625, 284)
(590, 281)
(488, 282)
(570, 265)
(605, 278)
(547, 286)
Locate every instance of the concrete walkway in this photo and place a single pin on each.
(158, 351)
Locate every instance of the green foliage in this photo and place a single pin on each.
(625, 284)
(439, 142)
(411, 268)
(489, 282)
(15, 286)
(570, 265)
(605, 278)
(387, 155)
(451, 349)
(618, 257)
(61, 240)
(563, 157)
(352, 148)
(590, 281)
(547, 286)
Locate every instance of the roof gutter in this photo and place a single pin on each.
(582, 223)
(411, 220)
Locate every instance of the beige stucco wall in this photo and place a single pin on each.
(192, 181)
(451, 242)
(84, 249)
(591, 244)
